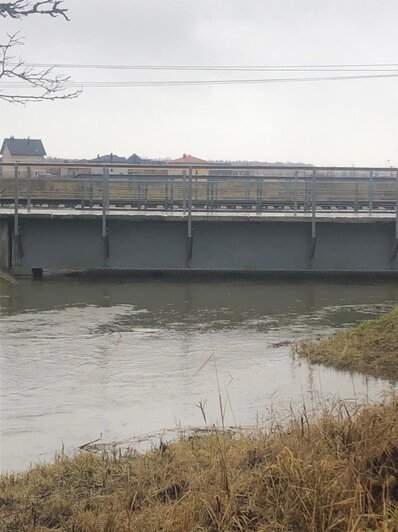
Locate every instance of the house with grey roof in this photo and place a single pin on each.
(108, 158)
(136, 159)
(22, 151)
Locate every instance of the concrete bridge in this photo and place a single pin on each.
(272, 219)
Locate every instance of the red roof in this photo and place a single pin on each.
(188, 159)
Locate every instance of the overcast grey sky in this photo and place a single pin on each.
(340, 122)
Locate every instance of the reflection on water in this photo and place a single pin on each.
(84, 358)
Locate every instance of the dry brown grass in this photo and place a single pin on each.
(371, 348)
(339, 473)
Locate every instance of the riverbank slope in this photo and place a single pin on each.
(370, 348)
(338, 473)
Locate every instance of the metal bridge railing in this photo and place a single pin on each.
(296, 191)
(207, 188)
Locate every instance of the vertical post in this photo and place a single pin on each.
(172, 193)
(356, 197)
(16, 201)
(105, 201)
(370, 192)
(306, 193)
(258, 196)
(190, 204)
(17, 248)
(140, 194)
(396, 217)
(29, 198)
(295, 191)
(396, 207)
(166, 194)
(5, 246)
(145, 184)
(184, 192)
(313, 202)
(86, 193)
(190, 241)
(313, 217)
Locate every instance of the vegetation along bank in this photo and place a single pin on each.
(336, 473)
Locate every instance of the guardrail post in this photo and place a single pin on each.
(29, 198)
(146, 188)
(306, 193)
(105, 206)
(295, 191)
(84, 190)
(166, 194)
(258, 196)
(356, 197)
(313, 216)
(16, 200)
(370, 192)
(184, 192)
(172, 194)
(190, 238)
(395, 252)
(140, 193)
(396, 209)
(212, 185)
(17, 244)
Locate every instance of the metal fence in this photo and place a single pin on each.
(204, 189)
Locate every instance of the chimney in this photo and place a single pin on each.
(184, 155)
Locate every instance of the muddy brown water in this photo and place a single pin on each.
(84, 358)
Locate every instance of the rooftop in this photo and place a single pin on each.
(188, 159)
(33, 147)
(108, 158)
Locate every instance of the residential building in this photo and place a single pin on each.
(194, 162)
(146, 167)
(23, 151)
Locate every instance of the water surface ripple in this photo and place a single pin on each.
(87, 358)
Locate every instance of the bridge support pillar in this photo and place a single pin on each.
(189, 248)
(37, 273)
(5, 247)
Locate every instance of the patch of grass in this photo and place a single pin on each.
(337, 473)
(370, 347)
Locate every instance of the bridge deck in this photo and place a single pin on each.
(252, 219)
(139, 215)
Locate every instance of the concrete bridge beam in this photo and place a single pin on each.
(219, 245)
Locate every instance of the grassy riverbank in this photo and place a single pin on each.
(370, 348)
(338, 473)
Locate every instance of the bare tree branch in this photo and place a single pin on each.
(24, 8)
(33, 84)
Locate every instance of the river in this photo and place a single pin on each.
(85, 358)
